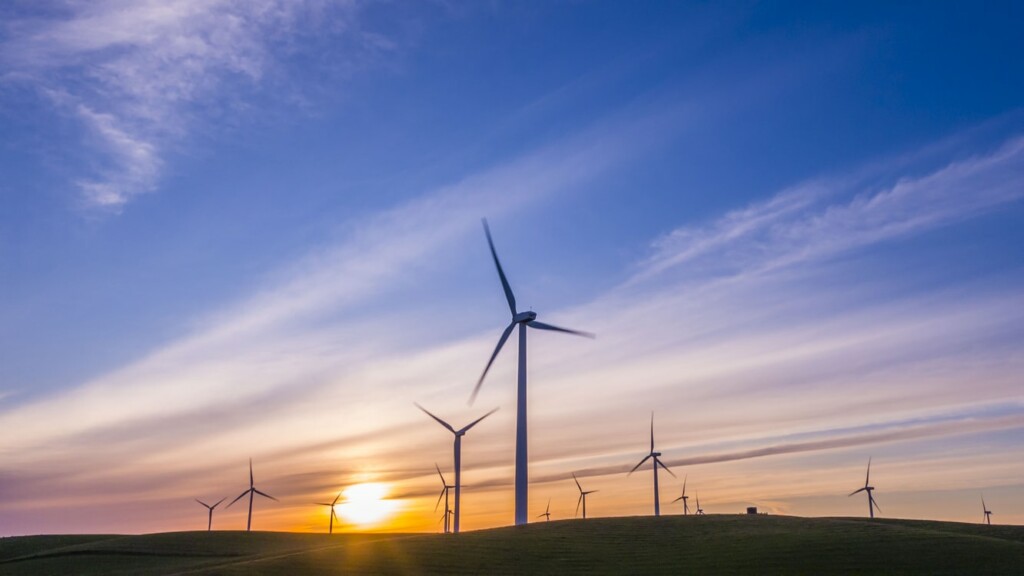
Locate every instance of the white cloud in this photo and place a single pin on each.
(135, 72)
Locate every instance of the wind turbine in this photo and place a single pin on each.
(444, 494)
(209, 522)
(700, 511)
(330, 530)
(872, 505)
(986, 511)
(458, 454)
(547, 512)
(684, 498)
(522, 319)
(656, 462)
(583, 497)
(251, 491)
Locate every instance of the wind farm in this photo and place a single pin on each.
(471, 284)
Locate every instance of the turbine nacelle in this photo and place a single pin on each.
(528, 316)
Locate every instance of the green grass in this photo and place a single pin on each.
(717, 544)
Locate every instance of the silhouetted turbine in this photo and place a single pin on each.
(522, 319)
(209, 521)
(872, 505)
(987, 513)
(444, 494)
(251, 491)
(330, 529)
(684, 498)
(700, 511)
(547, 512)
(458, 454)
(583, 497)
(656, 462)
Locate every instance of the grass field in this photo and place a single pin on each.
(717, 544)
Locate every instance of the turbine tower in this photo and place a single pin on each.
(872, 505)
(458, 454)
(522, 319)
(987, 513)
(583, 497)
(684, 498)
(330, 529)
(655, 463)
(251, 491)
(444, 494)
(209, 521)
(547, 512)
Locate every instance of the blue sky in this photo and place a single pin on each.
(785, 222)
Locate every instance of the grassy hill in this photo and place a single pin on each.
(717, 544)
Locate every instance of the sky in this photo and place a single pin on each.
(252, 229)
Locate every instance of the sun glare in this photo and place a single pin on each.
(364, 504)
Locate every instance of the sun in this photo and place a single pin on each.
(365, 504)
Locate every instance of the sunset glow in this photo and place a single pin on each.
(366, 505)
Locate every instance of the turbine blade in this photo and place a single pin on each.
(875, 504)
(665, 468)
(207, 505)
(677, 500)
(684, 484)
(265, 495)
(218, 502)
(652, 431)
(856, 491)
(580, 488)
(251, 482)
(867, 479)
(578, 504)
(238, 498)
(501, 273)
(501, 342)
(640, 464)
(322, 504)
(543, 326)
(477, 421)
(443, 490)
(439, 421)
(336, 498)
(439, 474)
(548, 508)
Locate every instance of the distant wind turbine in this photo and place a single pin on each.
(522, 319)
(547, 512)
(700, 511)
(458, 454)
(872, 505)
(209, 521)
(684, 498)
(583, 497)
(986, 511)
(656, 461)
(444, 494)
(251, 491)
(330, 529)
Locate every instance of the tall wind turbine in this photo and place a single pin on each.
(872, 505)
(458, 454)
(684, 498)
(700, 511)
(547, 512)
(656, 461)
(330, 529)
(444, 494)
(209, 521)
(251, 491)
(583, 497)
(522, 319)
(986, 511)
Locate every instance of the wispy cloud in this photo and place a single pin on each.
(138, 74)
(820, 219)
